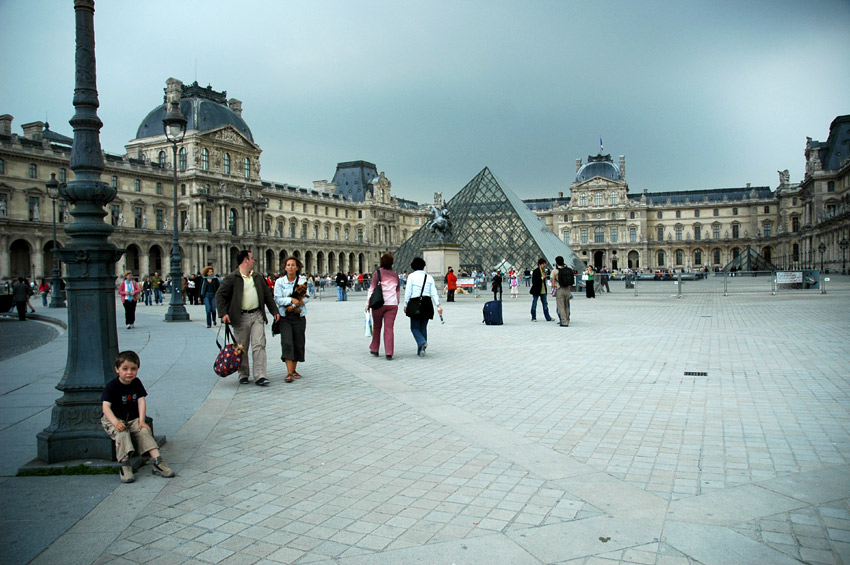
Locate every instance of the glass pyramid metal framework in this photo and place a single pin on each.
(749, 260)
(495, 230)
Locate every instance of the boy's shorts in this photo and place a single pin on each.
(125, 440)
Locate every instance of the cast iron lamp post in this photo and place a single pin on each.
(843, 244)
(75, 432)
(175, 129)
(56, 298)
(822, 249)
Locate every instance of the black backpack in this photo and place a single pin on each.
(565, 277)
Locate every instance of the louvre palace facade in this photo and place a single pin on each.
(223, 203)
(606, 225)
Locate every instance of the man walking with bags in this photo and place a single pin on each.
(242, 300)
(563, 280)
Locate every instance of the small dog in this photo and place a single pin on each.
(300, 293)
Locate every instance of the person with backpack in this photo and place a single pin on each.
(563, 280)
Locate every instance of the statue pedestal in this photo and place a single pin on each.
(438, 258)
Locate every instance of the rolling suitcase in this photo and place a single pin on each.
(493, 313)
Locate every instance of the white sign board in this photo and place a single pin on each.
(789, 277)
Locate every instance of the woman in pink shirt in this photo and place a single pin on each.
(385, 315)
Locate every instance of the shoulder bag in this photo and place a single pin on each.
(229, 357)
(419, 308)
(377, 298)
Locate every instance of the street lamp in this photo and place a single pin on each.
(821, 248)
(56, 298)
(174, 124)
(843, 244)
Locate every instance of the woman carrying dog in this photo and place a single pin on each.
(291, 298)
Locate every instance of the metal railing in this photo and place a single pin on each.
(741, 282)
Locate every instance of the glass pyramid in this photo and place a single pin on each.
(749, 260)
(495, 230)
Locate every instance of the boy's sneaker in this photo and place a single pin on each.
(161, 468)
(126, 474)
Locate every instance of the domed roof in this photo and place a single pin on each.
(599, 166)
(204, 108)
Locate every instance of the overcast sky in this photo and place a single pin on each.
(696, 95)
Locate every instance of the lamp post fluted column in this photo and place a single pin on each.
(57, 300)
(175, 129)
(822, 249)
(75, 431)
(843, 244)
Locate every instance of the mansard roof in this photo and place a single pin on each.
(834, 151)
(598, 166)
(710, 195)
(204, 108)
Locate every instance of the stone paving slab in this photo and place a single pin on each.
(522, 443)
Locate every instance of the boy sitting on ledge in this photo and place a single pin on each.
(124, 408)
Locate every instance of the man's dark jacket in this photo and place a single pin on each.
(228, 299)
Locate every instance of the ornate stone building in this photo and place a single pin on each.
(696, 229)
(223, 203)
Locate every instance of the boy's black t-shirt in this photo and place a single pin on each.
(124, 398)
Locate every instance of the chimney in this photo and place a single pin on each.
(748, 185)
(560, 195)
(578, 164)
(236, 106)
(173, 91)
(33, 130)
(623, 167)
(6, 124)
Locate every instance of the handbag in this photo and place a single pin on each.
(419, 309)
(377, 298)
(229, 357)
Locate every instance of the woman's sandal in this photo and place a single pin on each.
(288, 378)
(296, 374)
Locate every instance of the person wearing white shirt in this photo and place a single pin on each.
(421, 284)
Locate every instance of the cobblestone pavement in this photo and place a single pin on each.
(706, 429)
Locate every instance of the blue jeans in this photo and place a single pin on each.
(148, 300)
(157, 295)
(209, 306)
(542, 298)
(340, 294)
(419, 328)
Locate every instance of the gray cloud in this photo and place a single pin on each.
(695, 94)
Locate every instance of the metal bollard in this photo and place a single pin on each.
(726, 284)
(679, 286)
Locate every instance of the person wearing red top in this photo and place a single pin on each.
(451, 285)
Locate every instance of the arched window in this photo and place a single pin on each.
(161, 159)
(660, 257)
(181, 159)
(246, 167)
(598, 235)
(231, 221)
(227, 163)
(205, 159)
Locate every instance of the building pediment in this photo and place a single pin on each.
(596, 183)
(231, 136)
